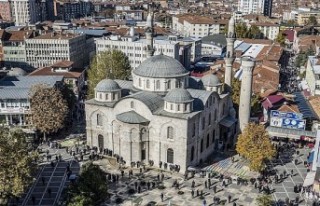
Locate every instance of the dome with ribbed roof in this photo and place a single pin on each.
(178, 96)
(107, 85)
(210, 80)
(160, 66)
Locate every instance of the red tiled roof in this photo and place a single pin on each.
(289, 34)
(47, 71)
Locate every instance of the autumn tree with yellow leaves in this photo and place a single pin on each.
(16, 166)
(254, 145)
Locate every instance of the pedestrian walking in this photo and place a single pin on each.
(192, 193)
(206, 184)
(215, 189)
(193, 184)
(122, 173)
(139, 189)
(33, 199)
(229, 198)
(52, 164)
(197, 193)
(162, 177)
(49, 192)
(204, 203)
(284, 173)
(291, 173)
(161, 196)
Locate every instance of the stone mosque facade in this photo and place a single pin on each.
(163, 115)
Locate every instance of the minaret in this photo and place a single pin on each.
(247, 65)
(149, 35)
(231, 37)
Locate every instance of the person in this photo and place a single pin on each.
(136, 185)
(162, 177)
(193, 184)
(33, 198)
(204, 202)
(161, 196)
(52, 164)
(43, 180)
(215, 189)
(291, 173)
(139, 189)
(192, 193)
(206, 184)
(197, 193)
(49, 192)
(229, 198)
(234, 204)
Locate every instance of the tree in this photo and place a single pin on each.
(48, 109)
(16, 165)
(241, 30)
(70, 97)
(112, 64)
(254, 32)
(91, 186)
(281, 39)
(312, 20)
(302, 58)
(254, 144)
(291, 22)
(264, 200)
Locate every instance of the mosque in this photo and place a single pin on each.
(164, 115)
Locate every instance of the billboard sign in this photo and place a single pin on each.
(288, 120)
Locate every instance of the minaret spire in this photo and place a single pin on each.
(231, 37)
(149, 33)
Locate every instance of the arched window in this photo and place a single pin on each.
(139, 82)
(107, 96)
(170, 155)
(158, 84)
(178, 107)
(148, 84)
(100, 142)
(171, 106)
(99, 120)
(208, 141)
(169, 84)
(132, 104)
(209, 120)
(201, 146)
(170, 132)
(213, 136)
(192, 153)
(100, 96)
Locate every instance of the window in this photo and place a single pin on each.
(169, 84)
(170, 132)
(148, 84)
(203, 122)
(158, 84)
(185, 107)
(100, 96)
(170, 154)
(178, 107)
(132, 104)
(171, 106)
(208, 140)
(209, 120)
(192, 153)
(139, 82)
(107, 97)
(201, 146)
(99, 120)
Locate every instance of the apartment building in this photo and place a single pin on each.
(313, 75)
(192, 25)
(268, 29)
(135, 48)
(301, 15)
(5, 10)
(47, 49)
(13, 47)
(251, 6)
(67, 10)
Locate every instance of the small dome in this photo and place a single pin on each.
(107, 85)
(178, 96)
(160, 66)
(210, 80)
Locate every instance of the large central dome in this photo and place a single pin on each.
(160, 66)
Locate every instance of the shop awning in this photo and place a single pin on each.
(228, 121)
(289, 133)
(309, 179)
